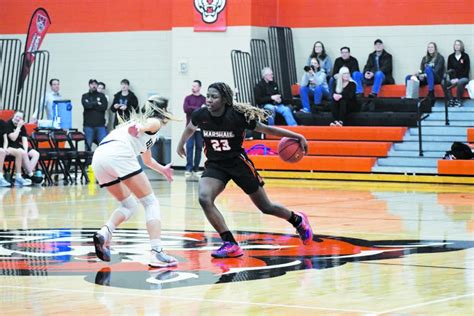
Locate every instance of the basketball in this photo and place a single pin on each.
(289, 150)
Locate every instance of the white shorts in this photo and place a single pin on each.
(113, 162)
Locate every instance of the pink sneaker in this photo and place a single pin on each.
(228, 250)
(304, 229)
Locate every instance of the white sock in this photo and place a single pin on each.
(156, 244)
(106, 231)
(111, 226)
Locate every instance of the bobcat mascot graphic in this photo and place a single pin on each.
(209, 9)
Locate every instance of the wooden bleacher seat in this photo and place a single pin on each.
(336, 149)
(348, 133)
(316, 163)
(394, 91)
(333, 148)
(470, 135)
(456, 167)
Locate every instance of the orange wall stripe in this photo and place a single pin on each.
(329, 13)
(147, 15)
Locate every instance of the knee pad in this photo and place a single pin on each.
(152, 207)
(128, 207)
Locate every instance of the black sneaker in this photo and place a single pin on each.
(101, 249)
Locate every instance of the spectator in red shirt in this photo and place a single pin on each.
(194, 144)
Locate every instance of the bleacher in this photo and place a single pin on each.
(367, 140)
(389, 109)
(347, 149)
(459, 167)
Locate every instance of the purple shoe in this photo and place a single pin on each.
(304, 229)
(228, 250)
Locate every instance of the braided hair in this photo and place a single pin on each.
(249, 111)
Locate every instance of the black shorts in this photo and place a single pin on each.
(240, 169)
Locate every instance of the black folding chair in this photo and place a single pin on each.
(84, 157)
(67, 154)
(49, 158)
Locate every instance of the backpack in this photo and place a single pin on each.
(459, 151)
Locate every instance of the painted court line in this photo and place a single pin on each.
(192, 299)
(442, 300)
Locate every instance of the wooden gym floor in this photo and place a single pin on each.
(379, 249)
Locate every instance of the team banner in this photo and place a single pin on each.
(210, 16)
(37, 29)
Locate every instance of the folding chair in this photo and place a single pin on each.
(49, 158)
(66, 153)
(84, 157)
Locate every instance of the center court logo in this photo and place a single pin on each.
(56, 252)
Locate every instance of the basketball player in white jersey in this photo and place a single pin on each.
(116, 168)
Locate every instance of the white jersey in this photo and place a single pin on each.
(138, 144)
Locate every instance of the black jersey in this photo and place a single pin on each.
(223, 135)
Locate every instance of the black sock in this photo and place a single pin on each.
(227, 236)
(295, 220)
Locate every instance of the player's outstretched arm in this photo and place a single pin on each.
(276, 131)
(150, 162)
(188, 132)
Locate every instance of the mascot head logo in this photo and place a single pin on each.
(209, 9)
(58, 252)
(40, 23)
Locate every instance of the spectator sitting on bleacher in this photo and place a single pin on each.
(95, 105)
(457, 74)
(269, 98)
(378, 69)
(18, 139)
(346, 60)
(319, 52)
(431, 70)
(4, 152)
(313, 83)
(344, 97)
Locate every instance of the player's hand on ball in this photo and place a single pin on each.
(303, 143)
(168, 172)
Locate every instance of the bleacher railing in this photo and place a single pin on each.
(10, 54)
(259, 58)
(242, 76)
(282, 56)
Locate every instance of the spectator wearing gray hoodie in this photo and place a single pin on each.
(313, 83)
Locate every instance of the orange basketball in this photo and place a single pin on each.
(289, 150)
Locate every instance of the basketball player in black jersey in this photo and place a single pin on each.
(223, 123)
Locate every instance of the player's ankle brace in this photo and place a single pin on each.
(152, 207)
